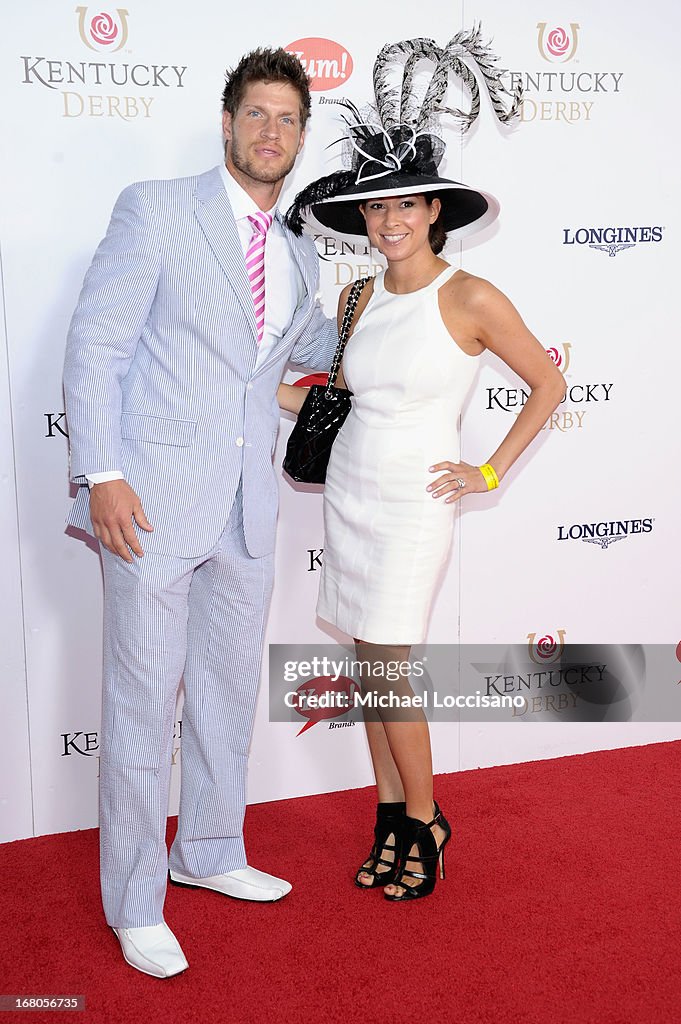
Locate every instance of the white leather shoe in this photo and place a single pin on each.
(244, 884)
(153, 950)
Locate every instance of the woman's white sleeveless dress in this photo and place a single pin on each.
(386, 538)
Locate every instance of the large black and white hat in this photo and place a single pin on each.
(392, 147)
(403, 166)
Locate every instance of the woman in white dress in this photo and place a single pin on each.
(395, 471)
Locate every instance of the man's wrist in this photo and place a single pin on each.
(103, 478)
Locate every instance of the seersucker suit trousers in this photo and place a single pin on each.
(167, 617)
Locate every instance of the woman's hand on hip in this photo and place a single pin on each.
(458, 479)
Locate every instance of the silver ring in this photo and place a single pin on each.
(461, 483)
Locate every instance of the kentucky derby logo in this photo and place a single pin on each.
(103, 31)
(581, 400)
(547, 649)
(557, 45)
(560, 356)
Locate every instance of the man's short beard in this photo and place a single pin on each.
(246, 167)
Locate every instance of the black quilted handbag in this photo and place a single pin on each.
(323, 412)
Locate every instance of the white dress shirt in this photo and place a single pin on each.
(284, 287)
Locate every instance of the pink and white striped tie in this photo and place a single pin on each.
(255, 266)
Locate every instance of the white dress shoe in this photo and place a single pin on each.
(244, 884)
(153, 950)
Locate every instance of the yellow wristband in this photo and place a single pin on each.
(491, 478)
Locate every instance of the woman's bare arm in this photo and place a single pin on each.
(499, 327)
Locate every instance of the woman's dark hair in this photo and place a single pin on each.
(437, 236)
(264, 65)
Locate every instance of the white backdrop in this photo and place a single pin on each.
(94, 99)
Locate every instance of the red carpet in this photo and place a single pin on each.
(561, 904)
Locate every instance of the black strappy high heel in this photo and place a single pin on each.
(389, 821)
(418, 833)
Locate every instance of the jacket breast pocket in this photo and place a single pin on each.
(157, 429)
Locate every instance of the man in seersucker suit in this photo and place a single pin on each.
(170, 377)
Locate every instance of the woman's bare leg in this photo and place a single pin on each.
(388, 782)
(399, 741)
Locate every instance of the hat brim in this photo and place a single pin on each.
(465, 210)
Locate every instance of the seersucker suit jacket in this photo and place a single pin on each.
(160, 374)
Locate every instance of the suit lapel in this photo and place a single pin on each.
(215, 216)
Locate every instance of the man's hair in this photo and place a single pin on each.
(265, 65)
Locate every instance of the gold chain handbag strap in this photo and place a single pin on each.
(348, 315)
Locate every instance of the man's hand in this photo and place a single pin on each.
(113, 506)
